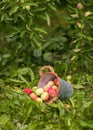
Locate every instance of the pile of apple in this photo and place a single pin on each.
(44, 93)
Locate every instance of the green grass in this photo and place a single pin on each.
(19, 112)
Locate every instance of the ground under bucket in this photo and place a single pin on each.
(65, 90)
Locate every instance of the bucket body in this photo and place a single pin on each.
(65, 90)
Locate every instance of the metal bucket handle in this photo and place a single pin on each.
(46, 67)
(51, 71)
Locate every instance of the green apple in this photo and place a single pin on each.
(51, 83)
(45, 96)
(39, 100)
(39, 91)
(55, 87)
(69, 77)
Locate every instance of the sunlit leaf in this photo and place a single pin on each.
(4, 119)
(13, 10)
(78, 86)
(40, 30)
(23, 79)
(48, 19)
(87, 104)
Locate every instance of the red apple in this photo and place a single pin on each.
(45, 96)
(28, 91)
(55, 81)
(46, 89)
(52, 93)
(33, 96)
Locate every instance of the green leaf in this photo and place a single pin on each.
(52, 7)
(40, 9)
(17, 90)
(31, 74)
(3, 7)
(83, 123)
(28, 28)
(73, 58)
(48, 19)
(14, 80)
(4, 119)
(23, 79)
(87, 104)
(38, 44)
(40, 30)
(54, 105)
(90, 124)
(13, 10)
(22, 34)
(28, 4)
(28, 114)
(24, 71)
(6, 56)
(78, 86)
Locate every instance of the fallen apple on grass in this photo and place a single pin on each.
(33, 96)
(45, 93)
(28, 91)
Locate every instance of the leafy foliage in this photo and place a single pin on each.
(81, 37)
(23, 25)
